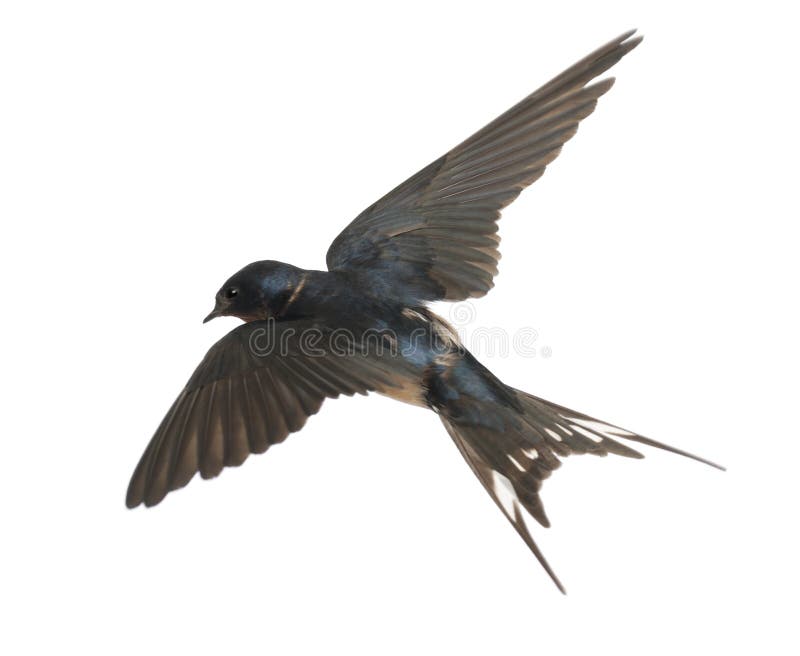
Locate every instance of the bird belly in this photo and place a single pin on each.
(424, 341)
(408, 390)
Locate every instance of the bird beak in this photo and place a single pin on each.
(218, 311)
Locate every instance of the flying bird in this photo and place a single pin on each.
(364, 325)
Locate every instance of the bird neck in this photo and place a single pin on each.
(305, 294)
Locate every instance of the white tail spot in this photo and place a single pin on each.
(504, 492)
(553, 434)
(531, 453)
(583, 431)
(516, 464)
(604, 429)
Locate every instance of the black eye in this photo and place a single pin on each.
(231, 292)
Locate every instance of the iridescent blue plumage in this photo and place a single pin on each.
(363, 325)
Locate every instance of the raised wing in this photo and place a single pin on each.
(434, 237)
(255, 386)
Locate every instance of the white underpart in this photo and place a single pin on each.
(504, 492)
(599, 427)
(516, 464)
(553, 434)
(531, 453)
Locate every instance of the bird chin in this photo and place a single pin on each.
(249, 318)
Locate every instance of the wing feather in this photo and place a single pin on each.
(433, 237)
(239, 402)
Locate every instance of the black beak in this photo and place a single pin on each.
(218, 311)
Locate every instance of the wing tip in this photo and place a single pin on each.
(627, 46)
(616, 49)
(132, 500)
(135, 492)
(625, 38)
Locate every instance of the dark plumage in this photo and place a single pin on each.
(362, 325)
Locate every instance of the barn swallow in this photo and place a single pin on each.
(364, 325)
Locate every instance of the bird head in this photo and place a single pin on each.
(256, 292)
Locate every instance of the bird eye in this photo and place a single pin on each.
(231, 292)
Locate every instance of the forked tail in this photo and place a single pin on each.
(513, 447)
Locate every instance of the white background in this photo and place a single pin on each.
(151, 149)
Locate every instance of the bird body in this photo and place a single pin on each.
(364, 325)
